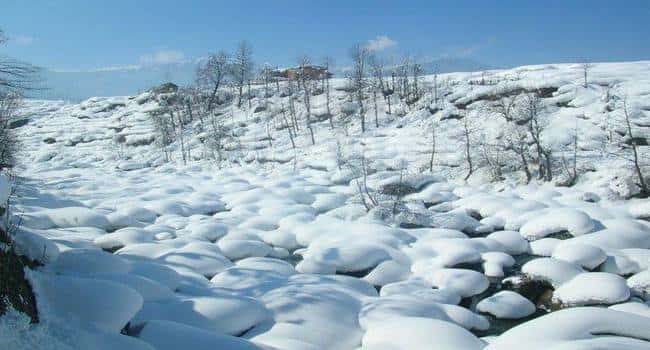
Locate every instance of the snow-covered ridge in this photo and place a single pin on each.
(277, 252)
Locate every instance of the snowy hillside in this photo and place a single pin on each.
(357, 241)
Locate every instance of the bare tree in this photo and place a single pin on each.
(516, 129)
(306, 80)
(358, 79)
(467, 132)
(16, 75)
(630, 144)
(432, 131)
(217, 136)
(360, 167)
(15, 78)
(416, 75)
(266, 74)
(402, 73)
(288, 126)
(585, 66)
(537, 123)
(569, 164)
(212, 73)
(242, 68)
(435, 84)
(328, 63)
(377, 85)
(9, 103)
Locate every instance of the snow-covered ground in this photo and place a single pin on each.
(277, 252)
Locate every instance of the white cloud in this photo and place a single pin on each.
(99, 69)
(23, 40)
(472, 49)
(380, 43)
(163, 57)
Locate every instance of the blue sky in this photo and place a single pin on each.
(87, 35)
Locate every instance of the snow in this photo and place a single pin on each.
(378, 310)
(5, 189)
(577, 328)
(105, 305)
(463, 282)
(215, 312)
(593, 288)
(169, 335)
(278, 252)
(557, 220)
(506, 304)
(554, 271)
(513, 242)
(639, 283)
(584, 255)
(415, 333)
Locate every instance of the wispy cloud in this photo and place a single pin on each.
(380, 43)
(23, 40)
(163, 57)
(158, 58)
(470, 50)
(99, 69)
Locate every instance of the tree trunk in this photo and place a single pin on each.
(362, 112)
(374, 98)
(213, 95)
(433, 149)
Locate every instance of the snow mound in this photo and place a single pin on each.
(169, 335)
(577, 328)
(557, 220)
(551, 270)
(506, 304)
(415, 333)
(593, 288)
(463, 282)
(584, 255)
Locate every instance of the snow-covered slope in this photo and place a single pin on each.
(278, 252)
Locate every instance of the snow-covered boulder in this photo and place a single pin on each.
(593, 288)
(506, 304)
(551, 270)
(557, 220)
(416, 333)
(584, 255)
(463, 282)
(577, 328)
(169, 335)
